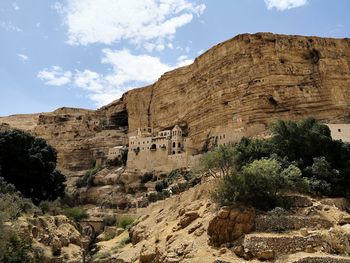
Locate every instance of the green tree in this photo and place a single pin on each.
(302, 140)
(258, 184)
(220, 161)
(29, 163)
(249, 150)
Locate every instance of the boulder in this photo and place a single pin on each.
(188, 218)
(229, 224)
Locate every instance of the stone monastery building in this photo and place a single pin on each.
(167, 149)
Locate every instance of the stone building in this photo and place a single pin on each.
(167, 149)
(115, 152)
(340, 131)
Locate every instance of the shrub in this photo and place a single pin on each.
(110, 220)
(160, 185)
(17, 250)
(125, 221)
(258, 184)
(87, 180)
(29, 164)
(152, 197)
(146, 177)
(309, 160)
(51, 207)
(76, 213)
(124, 242)
(220, 161)
(248, 150)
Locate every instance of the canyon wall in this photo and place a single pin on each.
(250, 78)
(241, 84)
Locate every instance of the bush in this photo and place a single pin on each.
(110, 220)
(12, 203)
(146, 177)
(76, 213)
(51, 207)
(258, 184)
(125, 222)
(29, 164)
(161, 185)
(308, 157)
(17, 250)
(87, 180)
(219, 162)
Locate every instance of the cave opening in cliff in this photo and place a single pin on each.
(272, 101)
(119, 119)
(313, 55)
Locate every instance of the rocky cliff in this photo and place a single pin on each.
(253, 78)
(242, 83)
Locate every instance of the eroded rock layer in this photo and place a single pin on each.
(244, 82)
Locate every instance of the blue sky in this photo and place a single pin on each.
(86, 53)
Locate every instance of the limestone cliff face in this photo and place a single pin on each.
(77, 134)
(253, 78)
(242, 83)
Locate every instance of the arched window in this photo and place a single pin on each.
(179, 144)
(153, 147)
(173, 152)
(174, 144)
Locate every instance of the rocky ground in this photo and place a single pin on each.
(190, 228)
(54, 238)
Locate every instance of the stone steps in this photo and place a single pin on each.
(258, 244)
(267, 223)
(314, 258)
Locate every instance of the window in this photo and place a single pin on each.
(174, 144)
(223, 136)
(179, 144)
(173, 152)
(339, 130)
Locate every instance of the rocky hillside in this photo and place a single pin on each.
(244, 82)
(190, 228)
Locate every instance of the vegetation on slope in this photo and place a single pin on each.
(13, 246)
(299, 156)
(29, 164)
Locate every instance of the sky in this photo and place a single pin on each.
(87, 53)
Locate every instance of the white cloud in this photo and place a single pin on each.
(282, 5)
(88, 80)
(185, 62)
(200, 52)
(8, 26)
(23, 57)
(127, 72)
(102, 99)
(110, 21)
(55, 76)
(15, 6)
(181, 58)
(132, 68)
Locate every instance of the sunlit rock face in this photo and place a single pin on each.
(235, 88)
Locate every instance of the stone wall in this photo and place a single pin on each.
(340, 131)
